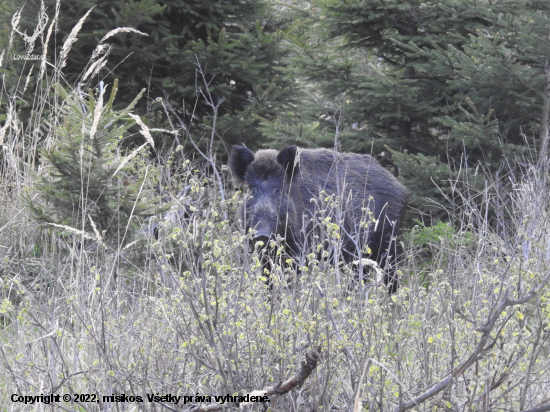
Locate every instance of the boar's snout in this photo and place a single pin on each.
(262, 236)
(263, 231)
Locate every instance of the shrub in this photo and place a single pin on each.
(86, 183)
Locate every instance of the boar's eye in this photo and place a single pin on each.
(277, 191)
(253, 190)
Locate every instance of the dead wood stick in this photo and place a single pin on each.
(308, 366)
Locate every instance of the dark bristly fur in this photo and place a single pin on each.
(283, 184)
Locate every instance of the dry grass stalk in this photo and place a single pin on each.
(71, 39)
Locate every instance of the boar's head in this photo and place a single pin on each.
(270, 209)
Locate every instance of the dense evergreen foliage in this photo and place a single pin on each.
(426, 86)
(86, 183)
(234, 42)
(449, 83)
(434, 57)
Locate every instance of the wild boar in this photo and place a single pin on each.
(283, 188)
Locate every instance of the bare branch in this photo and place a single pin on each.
(215, 106)
(542, 408)
(308, 366)
(479, 349)
(345, 349)
(545, 118)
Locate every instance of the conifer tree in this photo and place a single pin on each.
(444, 80)
(86, 183)
(235, 42)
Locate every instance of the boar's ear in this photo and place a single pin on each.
(287, 158)
(239, 159)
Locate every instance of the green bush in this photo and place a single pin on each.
(86, 183)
